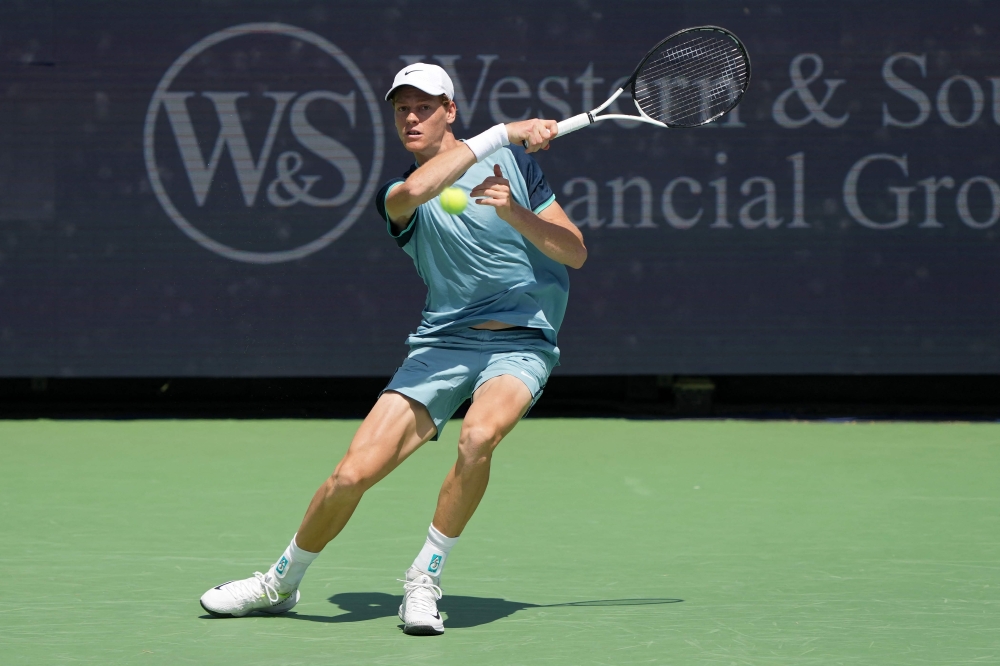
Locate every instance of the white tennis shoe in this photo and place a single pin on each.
(240, 597)
(419, 611)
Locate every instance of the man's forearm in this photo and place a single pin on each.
(429, 180)
(440, 172)
(555, 241)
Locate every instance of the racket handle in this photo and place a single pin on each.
(574, 123)
(571, 124)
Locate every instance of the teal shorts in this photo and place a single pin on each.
(444, 371)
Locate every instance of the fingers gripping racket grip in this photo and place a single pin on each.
(574, 123)
(570, 125)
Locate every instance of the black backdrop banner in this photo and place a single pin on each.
(186, 187)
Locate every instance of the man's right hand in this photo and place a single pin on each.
(536, 133)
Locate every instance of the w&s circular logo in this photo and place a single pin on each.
(264, 142)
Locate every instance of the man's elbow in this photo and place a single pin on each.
(413, 192)
(579, 257)
(423, 192)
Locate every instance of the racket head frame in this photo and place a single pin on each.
(630, 83)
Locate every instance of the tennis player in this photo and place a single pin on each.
(497, 288)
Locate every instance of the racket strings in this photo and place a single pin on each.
(678, 95)
(697, 77)
(731, 65)
(675, 53)
(693, 57)
(702, 98)
(693, 108)
(698, 62)
(692, 82)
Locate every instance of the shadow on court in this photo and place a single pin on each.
(462, 612)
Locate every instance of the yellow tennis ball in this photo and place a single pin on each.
(453, 200)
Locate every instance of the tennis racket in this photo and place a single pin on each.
(689, 79)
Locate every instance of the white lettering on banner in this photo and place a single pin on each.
(618, 187)
(693, 209)
(521, 90)
(798, 161)
(200, 171)
(769, 200)
(289, 188)
(327, 148)
(906, 89)
(673, 218)
(931, 186)
(732, 119)
(557, 103)
(902, 193)
(796, 107)
(815, 110)
(720, 186)
(588, 81)
(683, 207)
(508, 88)
(963, 202)
(960, 102)
(588, 200)
(944, 101)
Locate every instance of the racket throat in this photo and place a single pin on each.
(611, 100)
(574, 123)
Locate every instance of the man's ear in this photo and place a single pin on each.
(451, 111)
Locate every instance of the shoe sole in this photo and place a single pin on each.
(422, 630)
(277, 609)
(214, 613)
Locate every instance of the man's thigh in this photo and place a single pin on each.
(394, 428)
(498, 404)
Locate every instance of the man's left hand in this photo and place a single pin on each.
(494, 191)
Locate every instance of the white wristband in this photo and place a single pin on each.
(485, 144)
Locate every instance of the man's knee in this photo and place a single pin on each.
(477, 441)
(351, 478)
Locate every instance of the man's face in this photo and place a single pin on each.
(421, 119)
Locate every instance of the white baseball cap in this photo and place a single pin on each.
(432, 79)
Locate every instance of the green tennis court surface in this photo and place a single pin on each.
(599, 542)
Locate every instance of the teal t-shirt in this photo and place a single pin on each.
(477, 267)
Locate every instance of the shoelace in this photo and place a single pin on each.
(245, 590)
(419, 602)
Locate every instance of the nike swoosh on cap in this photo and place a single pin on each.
(411, 72)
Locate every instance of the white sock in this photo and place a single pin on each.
(292, 565)
(434, 553)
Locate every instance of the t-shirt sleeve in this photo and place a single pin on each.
(403, 237)
(540, 195)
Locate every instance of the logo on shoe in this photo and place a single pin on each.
(435, 564)
(264, 142)
(281, 566)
